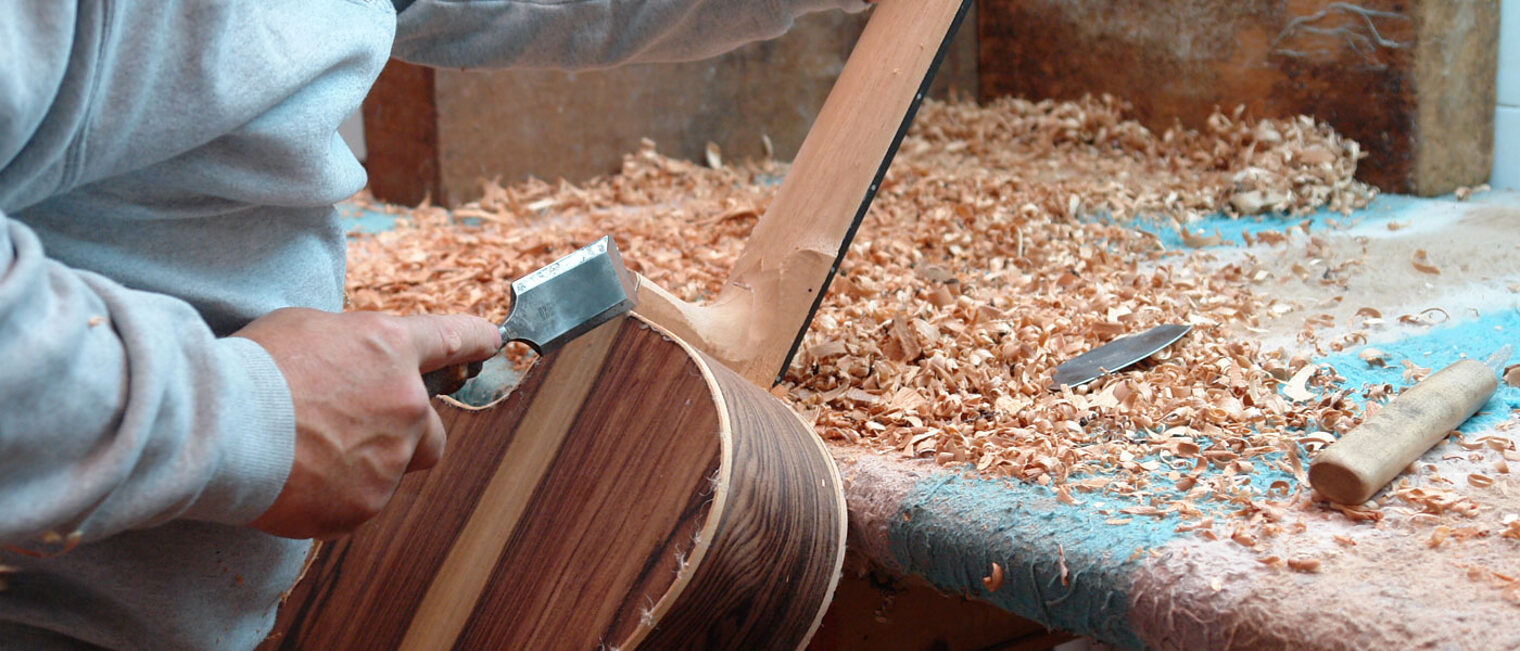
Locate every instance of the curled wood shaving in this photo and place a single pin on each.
(1422, 263)
(1463, 193)
(1304, 564)
(714, 156)
(1438, 536)
(1425, 317)
(994, 579)
(1297, 388)
(1197, 241)
(1414, 372)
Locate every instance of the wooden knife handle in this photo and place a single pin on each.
(1363, 461)
(447, 380)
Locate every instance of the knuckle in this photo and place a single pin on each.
(450, 340)
(382, 331)
(411, 404)
(393, 331)
(395, 394)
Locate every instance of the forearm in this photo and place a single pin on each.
(583, 34)
(119, 409)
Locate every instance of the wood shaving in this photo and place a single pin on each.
(993, 580)
(1438, 536)
(1463, 193)
(714, 156)
(1422, 263)
(1413, 372)
(1297, 388)
(1425, 317)
(1304, 564)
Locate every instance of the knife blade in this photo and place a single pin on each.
(1116, 355)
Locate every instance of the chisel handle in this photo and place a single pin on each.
(1364, 460)
(449, 379)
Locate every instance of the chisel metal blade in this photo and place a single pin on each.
(569, 297)
(1115, 355)
(553, 305)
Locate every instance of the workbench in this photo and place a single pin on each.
(1443, 573)
(1392, 583)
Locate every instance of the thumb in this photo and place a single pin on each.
(445, 340)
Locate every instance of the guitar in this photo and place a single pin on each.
(641, 488)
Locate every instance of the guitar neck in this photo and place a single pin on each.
(797, 246)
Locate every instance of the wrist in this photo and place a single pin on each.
(255, 437)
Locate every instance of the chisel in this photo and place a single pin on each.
(564, 299)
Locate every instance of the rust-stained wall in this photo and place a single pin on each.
(1412, 80)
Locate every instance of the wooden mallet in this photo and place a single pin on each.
(1363, 461)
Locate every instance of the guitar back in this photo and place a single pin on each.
(629, 493)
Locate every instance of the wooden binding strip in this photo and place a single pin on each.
(454, 590)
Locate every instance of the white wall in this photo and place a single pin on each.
(352, 131)
(1506, 172)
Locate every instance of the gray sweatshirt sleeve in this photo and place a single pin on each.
(585, 34)
(119, 409)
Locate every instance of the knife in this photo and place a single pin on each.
(1115, 355)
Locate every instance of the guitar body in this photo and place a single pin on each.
(632, 491)
(629, 493)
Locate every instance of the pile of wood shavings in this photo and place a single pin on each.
(974, 274)
(1116, 166)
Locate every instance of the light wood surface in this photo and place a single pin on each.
(1363, 461)
(447, 604)
(754, 323)
(630, 493)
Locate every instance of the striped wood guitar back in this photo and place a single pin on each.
(629, 493)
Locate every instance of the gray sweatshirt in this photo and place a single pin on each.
(168, 171)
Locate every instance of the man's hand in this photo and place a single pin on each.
(363, 418)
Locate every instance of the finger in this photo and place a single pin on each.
(442, 340)
(430, 447)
